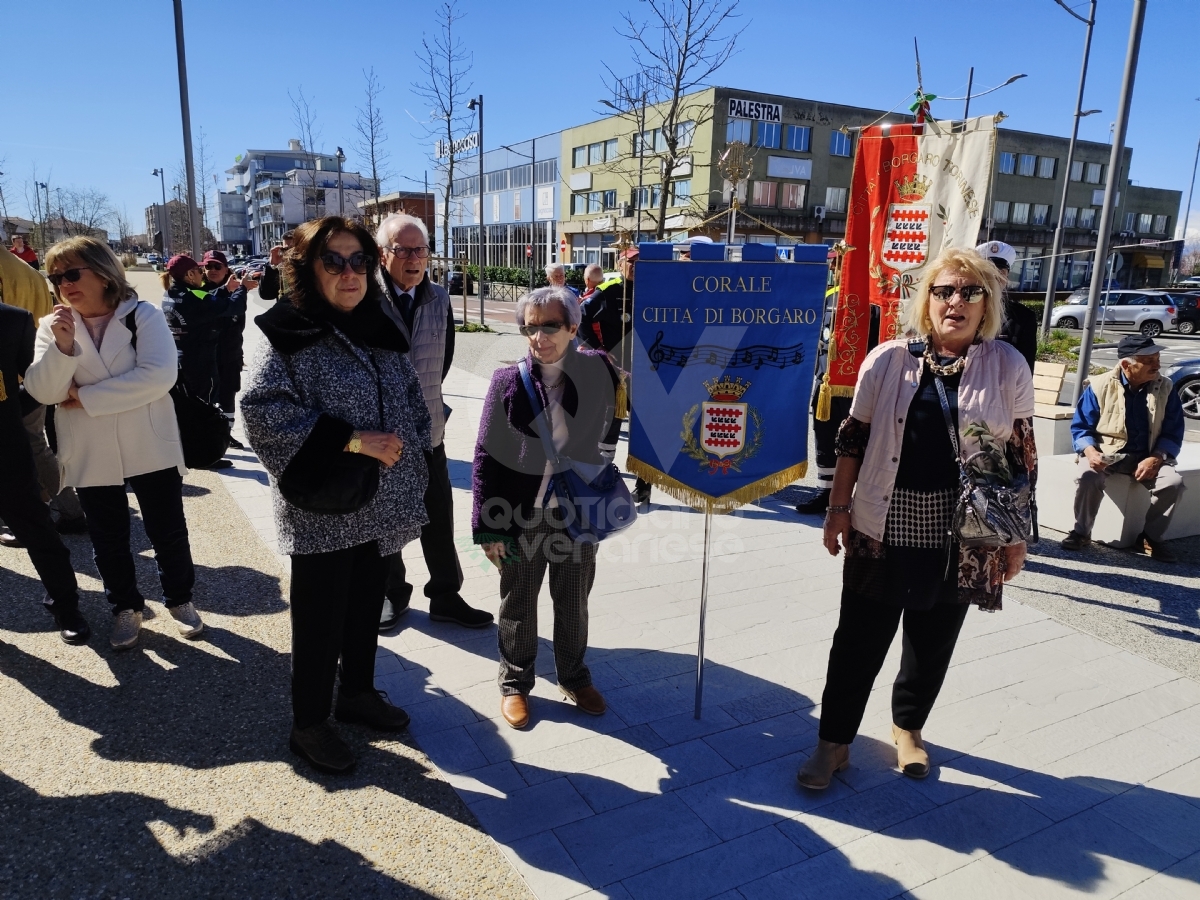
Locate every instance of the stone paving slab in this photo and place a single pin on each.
(1065, 765)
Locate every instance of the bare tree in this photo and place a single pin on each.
(676, 52)
(37, 209)
(3, 187)
(304, 118)
(83, 211)
(203, 174)
(445, 65)
(371, 133)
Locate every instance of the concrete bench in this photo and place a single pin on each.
(1123, 509)
(1051, 421)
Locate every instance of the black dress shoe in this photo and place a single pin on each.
(72, 626)
(235, 444)
(814, 505)
(8, 539)
(392, 611)
(222, 464)
(74, 525)
(371, 709)
(641, 494)
(454, 609)
(322, 747)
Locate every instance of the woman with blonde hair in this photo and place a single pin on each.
(108, 361)
(894, 495)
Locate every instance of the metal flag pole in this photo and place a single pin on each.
(703, 609)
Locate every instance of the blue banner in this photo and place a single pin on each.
(723, 356)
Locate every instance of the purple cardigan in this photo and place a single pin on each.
(509, 457)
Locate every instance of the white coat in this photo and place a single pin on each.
(127, 425)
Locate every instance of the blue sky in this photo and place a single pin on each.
(96, 100)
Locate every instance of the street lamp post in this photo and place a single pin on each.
(1052, 281)
(1103, 241)
(341, 158)
(1188, 213)
(166, 219)
(45, 213)
(477, 104)
(186, 114)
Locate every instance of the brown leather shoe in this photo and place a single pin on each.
(515, 709)
(588, 699)
(818, 771)
(911, 756)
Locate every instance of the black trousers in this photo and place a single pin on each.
(160, 496)
(28, 518)
(199, 366)
(336, 599)
(864, 634)
(229, 366)
(437, 539)
(825, 435)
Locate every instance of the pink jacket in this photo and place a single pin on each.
(996, 389)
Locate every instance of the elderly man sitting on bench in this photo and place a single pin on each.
(1129, 422)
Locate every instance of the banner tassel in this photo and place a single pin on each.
(622, 398)
(726, 503)
(823, 400)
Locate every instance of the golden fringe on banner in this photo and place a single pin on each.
(622, 400)
(724, 504)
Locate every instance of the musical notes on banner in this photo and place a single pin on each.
(756, 356)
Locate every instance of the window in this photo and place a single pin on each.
(727, 189)
(799, 138)
(1087, 217)
(1129, 217)
(1026, 164)
(1046, 166)
(683, 192)
(579, 204)
(768, 135)
(1069, 216)
(651, 141)
(835, 198)
(1145, 221)
(1020, 214)
(764, 193)
(792, 196)
(1093, 173)
(1160, 224)
(737, 130)
(1008, 163)
(610, 199)
(684, 133)
(610, 150)
(1000, 210)
(547, 171)
(650, 196)
(1041, 212)
(596, 201)
(839, 144)
(496, 181)
(595, 153)
(1077, 170)
(579, 157)
(516, 206)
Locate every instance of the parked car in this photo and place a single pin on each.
(152, 258)
(1150, 312)
(1187, 311)
(1185, 374)
(456, 283)
(1193, 282)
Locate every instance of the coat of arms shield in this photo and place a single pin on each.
(723, 427)
(906, 237)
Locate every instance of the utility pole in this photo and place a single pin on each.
(186, 113)
(1052, 281)
(166, 218)
(1103, 241)
(1187, 215)
(477, 104)
(341, 157)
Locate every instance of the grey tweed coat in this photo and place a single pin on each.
(309, 389)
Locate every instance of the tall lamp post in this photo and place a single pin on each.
(1110, 190)
(341, 158)
(1052, 281)
(477, 104)
(45, 214)
(970, 96)
(186, 114)
(1188, 213)
(166, 219)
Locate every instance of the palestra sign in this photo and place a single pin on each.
(752, 109)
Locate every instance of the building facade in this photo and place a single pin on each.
(413, 203)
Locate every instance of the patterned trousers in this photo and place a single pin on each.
(572, 570)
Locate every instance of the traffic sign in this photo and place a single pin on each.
(529, 251)
(562, 248)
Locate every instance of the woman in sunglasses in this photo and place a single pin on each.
(116, 426)
(894, 494)
(334, 380)
(522, 530)
(197, 317)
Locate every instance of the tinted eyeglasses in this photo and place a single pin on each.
(406, 252)
(544, 328)
(213, 266)
(71, 275)
(335, 263)
(971, 293)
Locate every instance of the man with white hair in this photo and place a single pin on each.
(593, 277)
(422, 312)
(556, 273)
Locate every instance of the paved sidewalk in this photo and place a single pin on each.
(1065, 765)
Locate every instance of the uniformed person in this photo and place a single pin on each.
(1021, 325)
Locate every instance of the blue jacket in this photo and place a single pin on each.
(1137, 423)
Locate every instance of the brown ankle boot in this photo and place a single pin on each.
(818, 771)
(911, 756)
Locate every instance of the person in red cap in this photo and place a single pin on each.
(229, 345)
(196, 317)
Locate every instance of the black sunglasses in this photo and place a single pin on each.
(972, 293)
(544, 328)
(71, 275)
(335, 263)
(214, 265)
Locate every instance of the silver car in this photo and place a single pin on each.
(1150, 312)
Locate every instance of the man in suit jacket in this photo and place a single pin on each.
(21, 504)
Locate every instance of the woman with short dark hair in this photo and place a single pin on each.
(334, 380)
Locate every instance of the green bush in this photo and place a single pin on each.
(473, 327)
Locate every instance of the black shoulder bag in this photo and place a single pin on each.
(987, 515)
(203, 428)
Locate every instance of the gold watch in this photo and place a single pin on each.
(355, 445)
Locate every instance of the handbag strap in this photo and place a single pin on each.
(130, 321)
(538, 410)
(950, 424)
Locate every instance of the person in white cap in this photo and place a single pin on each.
(1021, 323)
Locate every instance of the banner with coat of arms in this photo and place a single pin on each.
(916, 189)
(722, 365)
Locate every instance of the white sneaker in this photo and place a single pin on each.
(187, 618)
(125, 629)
